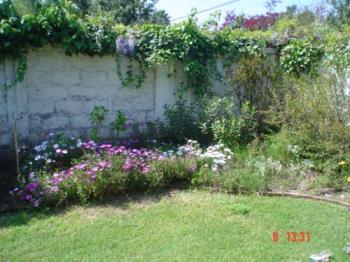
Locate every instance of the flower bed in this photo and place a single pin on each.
(64, 169)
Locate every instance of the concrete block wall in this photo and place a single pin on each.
(59, 92)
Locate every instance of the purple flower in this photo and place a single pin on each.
(31, 187)
(125, 45)
(80, 166)
(28, 197)
(105, 146)
(104, 164)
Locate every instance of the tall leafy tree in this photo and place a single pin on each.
(341, 11)
(125, 11)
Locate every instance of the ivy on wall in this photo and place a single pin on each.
(301, 56)
(146, 46)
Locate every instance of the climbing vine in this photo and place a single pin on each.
(301, 56)
(145, 46)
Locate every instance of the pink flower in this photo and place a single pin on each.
(129, 165)
(81, 166)
(54, 189)
(145, 170)
(104, 146)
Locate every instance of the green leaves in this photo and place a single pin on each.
(301, 56)
(98, 115)
(196, 49)
(119, 123)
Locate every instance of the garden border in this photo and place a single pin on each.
(305, 196)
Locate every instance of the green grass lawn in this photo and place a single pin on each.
(179, 226)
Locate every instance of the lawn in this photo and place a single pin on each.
(177, 226)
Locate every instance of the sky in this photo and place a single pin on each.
(179, 8)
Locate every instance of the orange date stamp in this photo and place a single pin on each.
(292, 237)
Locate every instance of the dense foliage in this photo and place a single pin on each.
(149, 45)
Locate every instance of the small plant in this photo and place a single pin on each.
(119, 124)
(97, 117)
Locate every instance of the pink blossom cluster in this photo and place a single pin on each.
(261, 22)
(258, 22)
(90, 169)
(136, 159)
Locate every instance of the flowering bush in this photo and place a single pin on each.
(126, 45)
(261, 22)
(236, 130)
(55, 153)
(104, 169)
(218, 155)
(258, 22)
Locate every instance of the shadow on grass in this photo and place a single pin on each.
(123, 202)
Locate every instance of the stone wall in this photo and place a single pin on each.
(59, 92)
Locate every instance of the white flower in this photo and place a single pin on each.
(55, 146)
(65, 152)
(37, 158)
(179, 153)
(37, 148)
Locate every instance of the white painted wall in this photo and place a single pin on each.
(59, 92)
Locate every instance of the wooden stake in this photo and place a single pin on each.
(15, 139)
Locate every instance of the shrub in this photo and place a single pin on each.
(207, 119)
(204, 177)
(280, 147)
(216, 108)
(236, 130)
(181, 122)
(314, 115)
